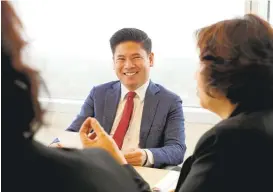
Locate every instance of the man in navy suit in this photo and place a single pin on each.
(149, 127)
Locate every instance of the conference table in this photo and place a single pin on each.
(163, 179)
(151, 175)
(154, 177)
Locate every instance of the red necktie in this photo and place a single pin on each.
(125, 119)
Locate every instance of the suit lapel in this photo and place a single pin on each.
(149, 110)
(110, 106)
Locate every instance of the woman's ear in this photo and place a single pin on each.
(216, 93)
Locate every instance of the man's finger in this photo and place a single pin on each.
(92, 135)
(134, 159)
(86, 126)
(97, 127)
(85, 130)
(134, 163)
(88, 140)
(132, 154)
(59, 145)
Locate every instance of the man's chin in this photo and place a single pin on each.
(130, 86)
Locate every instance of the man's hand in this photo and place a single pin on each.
(136, 157)
(99, 139)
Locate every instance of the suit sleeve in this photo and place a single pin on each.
(87, 110)
(174, 138)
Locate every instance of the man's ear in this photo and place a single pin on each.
(113, 62)
(151, 59)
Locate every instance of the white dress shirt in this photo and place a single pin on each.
(131, 139)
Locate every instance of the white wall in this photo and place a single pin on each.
(69, 43)
(271, 12)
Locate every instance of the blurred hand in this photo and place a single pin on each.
(136, 157)
(99, 138)
(58, 145)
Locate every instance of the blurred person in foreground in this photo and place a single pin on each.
(235, 81)
(28, 165)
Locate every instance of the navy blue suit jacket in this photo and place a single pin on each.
(162, 125)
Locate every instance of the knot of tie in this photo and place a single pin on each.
(131, 94)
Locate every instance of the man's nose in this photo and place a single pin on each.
(128, 64)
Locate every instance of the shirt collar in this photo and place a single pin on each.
(140, 92)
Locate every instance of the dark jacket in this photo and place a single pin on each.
(235, 155)
(30, 166)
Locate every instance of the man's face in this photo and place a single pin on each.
(132, 64)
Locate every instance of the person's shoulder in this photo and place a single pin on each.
(71, 156)
(165, 93)
(246, 122)
(53, 155)
(107, 85)
(92, 168)
(240, 130)
(58, 167)
(101, 89)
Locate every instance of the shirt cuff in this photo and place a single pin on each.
(150, 160)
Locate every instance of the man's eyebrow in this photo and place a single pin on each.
(136, 54)
(120, 56)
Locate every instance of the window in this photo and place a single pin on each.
(270, 11)
(263, 8)
(69, 40)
